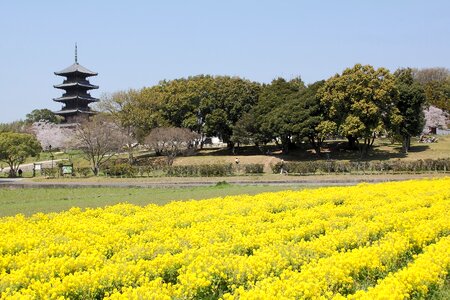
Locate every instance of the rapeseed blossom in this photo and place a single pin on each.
(386, 241)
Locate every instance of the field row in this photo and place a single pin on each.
(385, 240)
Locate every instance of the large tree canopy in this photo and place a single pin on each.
(411, 99)
(15, 148)
(274, 120)
(357, 104)
(308, 114)
(208, 105)
(360, 101)
(38, 115)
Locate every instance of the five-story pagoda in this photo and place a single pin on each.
(76, 98)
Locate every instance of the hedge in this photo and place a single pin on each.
(253, 168)
(213, 170)
(396, 166)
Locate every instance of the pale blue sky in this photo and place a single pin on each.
(132, 44)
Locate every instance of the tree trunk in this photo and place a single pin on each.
(12, 169)
(285, 143)
(406, 143)
(12, 173)
(95, 169)
(130, 157)
(315, 145)
(352, 142)
(373, 139)
(364, 148)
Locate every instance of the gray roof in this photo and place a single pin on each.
(64, 85)
(71, 111)
(76, 67)
(67, 98)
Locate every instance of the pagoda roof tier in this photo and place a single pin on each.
(75, 84)
(71, 98)
(76, 68)
(74, 111)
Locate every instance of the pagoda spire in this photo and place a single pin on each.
(76, 54)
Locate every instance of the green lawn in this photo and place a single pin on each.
(33, 200)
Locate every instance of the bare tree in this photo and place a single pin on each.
(113, 104)
(99, 139)
(171, 141)
(427, 75)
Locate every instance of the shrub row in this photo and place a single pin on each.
(254, 168)
(56, 171)
(312, 167)
(216, 170)
(50, 172)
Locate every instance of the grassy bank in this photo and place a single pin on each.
(33, 200)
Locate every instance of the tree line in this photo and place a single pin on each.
(359, 104)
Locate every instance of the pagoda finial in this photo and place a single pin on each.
(76, 53)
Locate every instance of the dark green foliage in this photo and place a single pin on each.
(272, 118)
(411, 99)
(16, 147)
(209, 105)
(306, 114)
(47, 115)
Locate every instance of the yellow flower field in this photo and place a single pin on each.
(371, 241)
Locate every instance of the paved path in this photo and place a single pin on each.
(29, 167)
(8, 181)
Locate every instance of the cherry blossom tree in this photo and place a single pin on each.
(435, 118)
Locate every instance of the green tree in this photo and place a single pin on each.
(141, 112)
(15, 148)
(231, 97)
(361, 102)
(246, 131)
(186, 101)
(308, 114)
(208, 105)
(411, 99)
(38, 115)
(272, 117)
